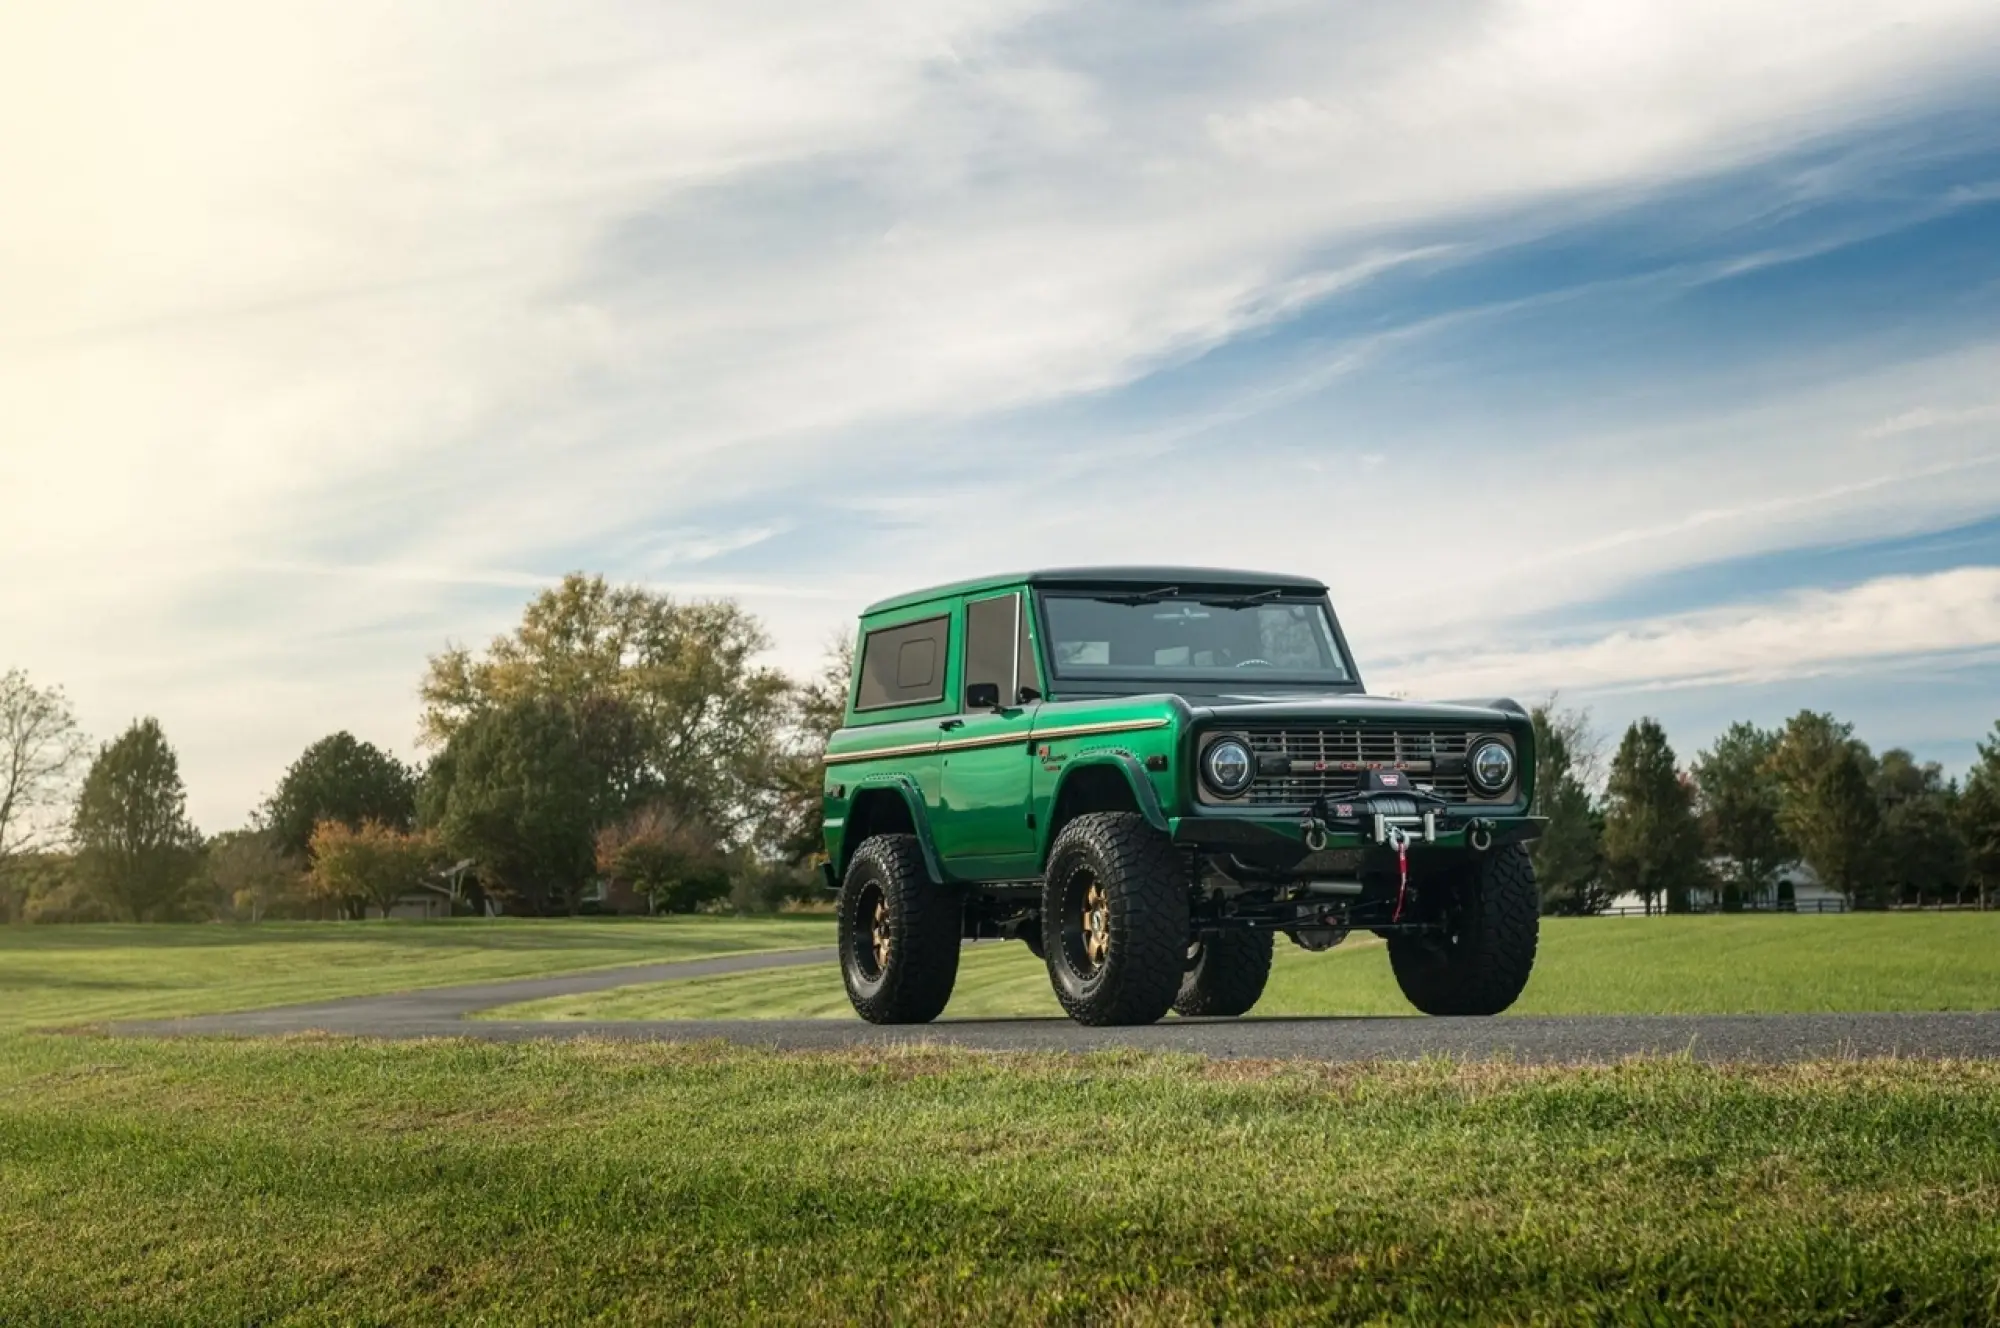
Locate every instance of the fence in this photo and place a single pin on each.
(1804, 906)
(1801, 906)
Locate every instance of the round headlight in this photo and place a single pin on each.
(1492, 767)
(1228, 767)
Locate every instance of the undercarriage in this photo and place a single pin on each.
(1316, 909)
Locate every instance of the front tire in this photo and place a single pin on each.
(899, 934)
(1493, 914)
(1226, 974)
(1114, 920)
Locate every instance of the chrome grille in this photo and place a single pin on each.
(1332, 762)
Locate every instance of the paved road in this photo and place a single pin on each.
(441, 1012)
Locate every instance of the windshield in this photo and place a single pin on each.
(1252, 637)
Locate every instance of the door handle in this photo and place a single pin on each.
(951, 724)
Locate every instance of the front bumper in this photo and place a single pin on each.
(1281, 841)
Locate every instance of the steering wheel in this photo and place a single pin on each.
(1255, 664)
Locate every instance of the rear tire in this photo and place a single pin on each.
(1226, 975)
(1494, 914)
(899, 934)
(1115, 920)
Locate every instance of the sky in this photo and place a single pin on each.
(1644, 353)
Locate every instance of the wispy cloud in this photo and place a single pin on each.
(1801, 635)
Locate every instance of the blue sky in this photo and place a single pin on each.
(1647, 353)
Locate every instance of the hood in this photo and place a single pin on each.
(1251, 708)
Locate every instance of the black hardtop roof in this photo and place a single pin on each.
(1148, 577)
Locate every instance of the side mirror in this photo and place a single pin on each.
(983, 696)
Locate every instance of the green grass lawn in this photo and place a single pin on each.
(1680, 965)
(335, 1180)
(72, 975)
(317, 1180)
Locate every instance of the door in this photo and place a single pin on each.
(981, 824)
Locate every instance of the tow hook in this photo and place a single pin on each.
(1480, 837)
(1315, 833)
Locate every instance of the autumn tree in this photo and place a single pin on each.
(369, 866)
(1827, 806)
(667, 856)
(665, 697)
(1738, 798)
(1569, 856)
(1652, 842)
(339, 778)
(41, 752)
(136, 849)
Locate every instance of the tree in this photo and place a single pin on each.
(667, 856)
(1652, 842)
(40, 753)
(1978, 815)
(1738, 797)
(813, 712)
(340, 778)
(370, 865)
(248, 875)
(665, 697)
(1923, 852)
(135, 847)
(514, 791)
(1826, 805)
(1569, 857)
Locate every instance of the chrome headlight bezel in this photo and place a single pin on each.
(1214, 780)
(1508, 767)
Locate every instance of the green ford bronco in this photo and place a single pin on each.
(1147, 773)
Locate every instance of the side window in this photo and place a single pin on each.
(991, 629)
(903, 665)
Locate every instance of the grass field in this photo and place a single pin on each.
(74, 975)
(331, 1181)
(1680, 965)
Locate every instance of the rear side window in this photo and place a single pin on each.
(903, 665)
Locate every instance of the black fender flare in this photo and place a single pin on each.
(913, 801)
(1127, 764)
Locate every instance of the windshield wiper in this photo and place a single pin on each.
(1240, 601)
(1143, 597)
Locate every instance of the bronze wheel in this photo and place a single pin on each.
(1115, 919)
(898, 932)
(871, 953)
(879, 933)
(1096, 927)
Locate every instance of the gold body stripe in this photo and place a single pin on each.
(1006, 740)
(880, 754)
(1112, 726)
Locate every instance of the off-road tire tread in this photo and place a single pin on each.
(1228, 978)
(1149, 919)
(1486, 977)
(923, 967)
